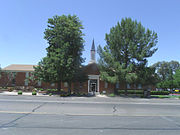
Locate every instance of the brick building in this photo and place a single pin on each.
(16, 75)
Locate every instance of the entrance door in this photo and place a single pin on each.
(93, 86)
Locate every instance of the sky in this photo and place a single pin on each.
(23, 22)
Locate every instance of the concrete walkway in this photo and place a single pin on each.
(24, 93)
(38, 94)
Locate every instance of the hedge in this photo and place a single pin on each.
(160, 92)
(131, 91)
(142, 92)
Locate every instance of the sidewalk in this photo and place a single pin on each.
(13, 93)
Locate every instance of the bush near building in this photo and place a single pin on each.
(20, 92)
(160, 92)
(131, 92)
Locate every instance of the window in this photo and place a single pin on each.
(26, 82)
(128, 86)
(27, 74)
(105, 85)
(65, 84)
(134, 86)
(39, 83)
(13, 78)
(52, 84)
(117, 85)
(80, 84)
(139, 86)
(13, 81)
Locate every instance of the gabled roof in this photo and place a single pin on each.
(18, 67)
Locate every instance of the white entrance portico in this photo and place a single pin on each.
(93, 84)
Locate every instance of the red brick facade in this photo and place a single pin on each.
(19, 79)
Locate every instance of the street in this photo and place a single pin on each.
(27, 115)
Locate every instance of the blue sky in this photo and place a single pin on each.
(22, 25)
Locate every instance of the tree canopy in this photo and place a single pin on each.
(64, 53)
(176, 78)
(124, 57)
(165, 71)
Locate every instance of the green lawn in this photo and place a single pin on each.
(166, 96)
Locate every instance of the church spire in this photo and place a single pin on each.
(93, 46)
(93, 52)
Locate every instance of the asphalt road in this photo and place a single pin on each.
(32, 115)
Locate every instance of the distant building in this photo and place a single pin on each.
(19, 74)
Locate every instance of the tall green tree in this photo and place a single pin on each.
(147, 76)
(176, 78)
(165, 71)
(64, 53)
(128, 45)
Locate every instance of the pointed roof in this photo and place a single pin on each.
(91, 69)
(93, 46)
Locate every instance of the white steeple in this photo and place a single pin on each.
(93, 53)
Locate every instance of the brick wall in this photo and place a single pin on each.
(20, 78)
(109, 89)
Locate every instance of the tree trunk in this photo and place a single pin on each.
(59, 87)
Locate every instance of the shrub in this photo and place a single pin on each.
(34, 93)
(131, 92)
(111, 95)
(64, 95)
(52, 90)
(40, 89)
(77, 94)
(10, 89)
(50, 94)
(19, 92)
(160, 92)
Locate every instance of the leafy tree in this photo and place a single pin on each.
(147, 76)
(165, 71)
(33, 79)
(8, 78)
(176, 78)
(64, 53)
(128, 45)
(80, 77)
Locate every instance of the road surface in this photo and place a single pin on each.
(32, 115)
